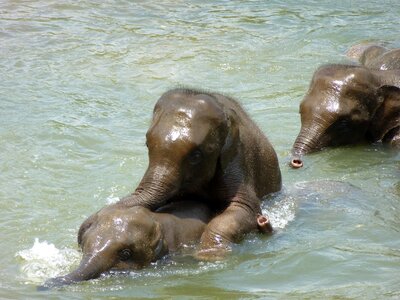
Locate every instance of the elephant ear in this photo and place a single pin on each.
(229, 149)
(386, 119)
(85, 226)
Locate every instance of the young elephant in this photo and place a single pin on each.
(205, 145)
(375, 56)
(340, 108)
(122, 238)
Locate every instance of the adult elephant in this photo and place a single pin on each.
(340, 106)
(205, 145)
(375, 56)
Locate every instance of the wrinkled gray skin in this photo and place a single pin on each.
(121, 238)
(340, 108)
(205, 145)
(375, 56)
(385, 125)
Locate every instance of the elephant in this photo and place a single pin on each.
(121, 238)
(203, 144)
(341, 107)
(375, 56)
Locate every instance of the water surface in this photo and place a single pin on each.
(78, 83)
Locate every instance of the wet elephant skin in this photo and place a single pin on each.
(205, 145)
(120, 238)
(340, 108)
(375, 56)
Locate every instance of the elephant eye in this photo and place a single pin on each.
(125, 254)
(195, 157)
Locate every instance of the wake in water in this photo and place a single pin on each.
(280, 209)
(44, 260)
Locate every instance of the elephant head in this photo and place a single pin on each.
(375, 56)
(188, 133)
(338, 107)
(365, 51)
(116, 239)
(121, 238)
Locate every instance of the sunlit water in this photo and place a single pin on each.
(78, 83)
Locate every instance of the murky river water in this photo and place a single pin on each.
(78, 83)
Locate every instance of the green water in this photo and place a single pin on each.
(78, 82)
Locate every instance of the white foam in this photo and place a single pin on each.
(44, 260)
(281, 212)
(112, 199)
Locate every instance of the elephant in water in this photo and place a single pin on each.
(348, 104)
(205, 145)
(375, 57)
(121, 238)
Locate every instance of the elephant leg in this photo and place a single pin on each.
(227, 228)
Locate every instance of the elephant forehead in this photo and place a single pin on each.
(120, 218)
(192, 105)
(333, 102)
(332, 82)
(342, 86)
(338, 84)
(182, 130)
(122, 230)
(177, 124)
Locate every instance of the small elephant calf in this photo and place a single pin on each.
(120, 238)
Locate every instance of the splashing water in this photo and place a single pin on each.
(112, 199)
(44, 260)
(282, 210)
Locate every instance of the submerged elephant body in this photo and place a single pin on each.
(341, 106)
(131, 238)
(205, 145)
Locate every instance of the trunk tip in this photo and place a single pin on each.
(296, 163)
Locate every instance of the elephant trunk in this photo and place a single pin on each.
(307, 141)
(157, 186)
(90, 267)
